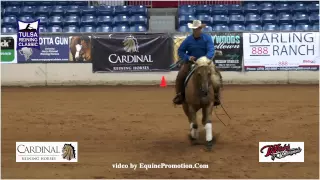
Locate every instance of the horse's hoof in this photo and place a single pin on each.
(209, 145)
(193, 141)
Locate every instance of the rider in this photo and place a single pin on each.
(193, 47)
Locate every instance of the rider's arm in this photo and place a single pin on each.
(210, 48)
(182, 50)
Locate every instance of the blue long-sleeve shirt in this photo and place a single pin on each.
(202, 46)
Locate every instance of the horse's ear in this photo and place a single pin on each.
(209, 63)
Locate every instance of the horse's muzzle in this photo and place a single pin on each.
(204, 90)
(204, 93)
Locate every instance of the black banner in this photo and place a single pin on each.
(136, 52)
(229, 53)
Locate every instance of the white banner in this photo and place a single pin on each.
(281, 51)
(281, 151)
(47, 152)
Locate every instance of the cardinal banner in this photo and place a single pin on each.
(131, 52)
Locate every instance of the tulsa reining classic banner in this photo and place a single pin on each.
(28, 34)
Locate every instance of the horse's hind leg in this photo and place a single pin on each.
(194, 130)
(206, 121)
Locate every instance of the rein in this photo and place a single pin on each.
(225, 113)
(174, 65)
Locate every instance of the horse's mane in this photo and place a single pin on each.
(85, 39)
(69, 152)
(202, 61)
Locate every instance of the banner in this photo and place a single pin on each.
(228, 47)
(58, 49)
(52, 49)
(8, 48)
(228, 50)
(80, 49)
(131, 52)
(281, 51)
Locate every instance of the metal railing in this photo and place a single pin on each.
(190, 2)
(162, 4)
(140, 3)
(107, 3)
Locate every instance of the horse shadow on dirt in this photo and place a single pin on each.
(178, 142)
(179, 145)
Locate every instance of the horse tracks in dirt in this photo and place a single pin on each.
(138, 124)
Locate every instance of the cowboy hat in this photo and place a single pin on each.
(196, 24)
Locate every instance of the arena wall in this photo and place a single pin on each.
(62, 74)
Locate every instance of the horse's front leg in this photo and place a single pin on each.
(207, 123)
(192, 117)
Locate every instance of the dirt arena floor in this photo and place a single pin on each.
(140, 125)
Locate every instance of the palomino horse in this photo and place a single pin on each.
(199, 94)
(80, 48)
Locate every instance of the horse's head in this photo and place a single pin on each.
(68, 152)
(86, 48)
(202, 74)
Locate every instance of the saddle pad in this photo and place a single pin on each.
(189, 75)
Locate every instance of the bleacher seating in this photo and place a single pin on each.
(104, 28)
(87, 29)
(54, 28)
(80, 16)
(270, 27)
(71, 29)
(74, 16)
(253, 16)
(42, 29)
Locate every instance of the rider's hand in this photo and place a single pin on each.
(192, 58)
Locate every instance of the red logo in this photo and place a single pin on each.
(278, 151)
(308, 61)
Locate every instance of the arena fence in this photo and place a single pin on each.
(163, 4)
(145, 52)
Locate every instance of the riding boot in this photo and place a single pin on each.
(178, 99)
(184, 70)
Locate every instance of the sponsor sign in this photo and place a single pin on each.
(281, 151)
(131, 52)
(47, 152)
(228, 50)
(281, 51)
(58, 49)
(28, 34)
(8, 49)
(52, 49)
(228, 47)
